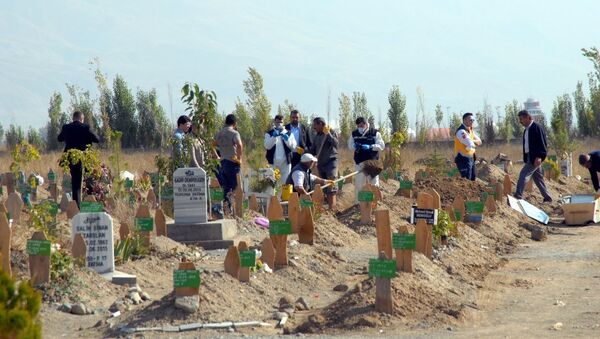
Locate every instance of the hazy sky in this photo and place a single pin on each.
(458, 52)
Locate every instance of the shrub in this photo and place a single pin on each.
(19, 307)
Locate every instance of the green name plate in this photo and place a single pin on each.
(365, 196)
(247, 258)
(386, 175)
(398, 176)
(91, 207)
(144, 224)
(246, 204)
(406, 185)
(128, 183)
(38, 247)
(474, 207)
(453, 172)
(280, 227)
(382, 268)
(457, 214)
(306, 203)
(186, 278)
(54, 208)
(217, 194)
(404, 241)
(51, 176)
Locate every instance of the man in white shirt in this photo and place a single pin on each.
(465, 142)
(366, 142)
(301, 177)
(279, 144)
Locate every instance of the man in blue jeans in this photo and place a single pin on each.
(231, 149)
(535, 150)
(465, 141)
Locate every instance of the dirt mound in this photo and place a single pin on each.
(450, 188)
(490, 173)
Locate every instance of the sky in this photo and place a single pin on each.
(459, 53)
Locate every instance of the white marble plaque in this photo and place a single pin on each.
(97, 230)
(189, 196)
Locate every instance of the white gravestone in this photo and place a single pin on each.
(97, 230)
(189, 196)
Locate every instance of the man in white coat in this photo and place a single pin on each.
(279, 144)
(366, 142)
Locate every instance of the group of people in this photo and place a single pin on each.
(296, 150)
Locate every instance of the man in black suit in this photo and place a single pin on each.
(77, 135)
(301, 134)
(591, 161)
(535, 150)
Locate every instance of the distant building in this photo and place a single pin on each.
(533, 107)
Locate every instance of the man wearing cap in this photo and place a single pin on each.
(325, 146)
(535, 150)
(366, 142)
(301, 134)
(279, 143)
(465, 141)
(591, 161)
(301, 177)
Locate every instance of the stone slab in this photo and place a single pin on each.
(120, 278)
(189, 195)
(215, 230)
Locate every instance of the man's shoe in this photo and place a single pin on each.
(548, 200)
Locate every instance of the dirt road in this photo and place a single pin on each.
(543, 283)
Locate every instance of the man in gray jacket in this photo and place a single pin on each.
(324, 147)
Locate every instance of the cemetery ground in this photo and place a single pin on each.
(490, 280)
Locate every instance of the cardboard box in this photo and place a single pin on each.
(581, 209)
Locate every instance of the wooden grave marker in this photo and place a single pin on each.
(151, 198)
(426, 201)
(186, 279)
(9, 180)
(506, 186)
(53, 189)
(423, 238)
(247, 260)
(436, 199)
(238, 197)
(404, 243)
(294, 212)
(64, 203)
(490, 205)
(279, 228)
(366, 200)
(450, 212)
(72, 209)
(160, 221)
(317, 196)
(499, 191)
(268, 253)
(79, 249)
(306, 227)
(39, 248)
(232, 262)
(124, 231)
(5, 237)
(144, 224)
(253, 203)
(14, 205)
(529, 185)
(458, 206)
(406, 188)
(383, 269)
(384, 232)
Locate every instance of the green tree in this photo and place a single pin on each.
(35, 138)
(505, 131)
(54, 124)
(257, 104)
(19, 308)
(152, 129)
(285, 108)
(454, 121)
(1, 133)
(14, 136)
(123, 115)
(244, 125)
(345, 122)
(439, 115)
(81, 101)
(511, 111)
(583, 120)
(593, 54)
(360, 107)
(563, 110)
(104, 103)
(397, 112)
(560, 139)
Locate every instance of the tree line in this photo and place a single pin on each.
(143, 122)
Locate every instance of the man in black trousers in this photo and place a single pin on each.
(535, 150)
(591, 161)
(301, 134)
(76, 135)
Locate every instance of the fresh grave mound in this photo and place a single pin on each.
(490, 173)
(450, 188)
(330, 231)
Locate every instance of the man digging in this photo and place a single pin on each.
(591, 161)
(366, 142)
(301, 177)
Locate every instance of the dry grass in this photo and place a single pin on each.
(137, 162)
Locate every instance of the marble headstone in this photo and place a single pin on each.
(97, 230)
(189, 196)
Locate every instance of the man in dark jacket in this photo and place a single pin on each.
(301, 134)
(535, 150)
(591, 161)
(76, 135)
